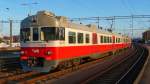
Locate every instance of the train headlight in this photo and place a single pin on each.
(48, 53)
(22, 52)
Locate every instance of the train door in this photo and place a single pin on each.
(113, 37)
(94, 38)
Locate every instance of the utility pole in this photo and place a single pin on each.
(11, 37)
(132, 24)
(98, 23)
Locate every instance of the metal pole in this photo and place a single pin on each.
(98, 23)
(11, 38)
(132, 25)
(114, 27)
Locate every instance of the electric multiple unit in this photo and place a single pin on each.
(49, 42)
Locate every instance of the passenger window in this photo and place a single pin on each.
(116, 40)
(119, 40)
(113, 39)
(99, 39)
(80, 37)
(110, 40)
(105, 39)
(87, 40)
(72, 37)
(102, 39)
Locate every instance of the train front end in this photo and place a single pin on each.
(39, 42)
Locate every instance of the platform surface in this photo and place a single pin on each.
(9, 49)
(145, 79)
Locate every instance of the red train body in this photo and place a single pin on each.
(49, 42)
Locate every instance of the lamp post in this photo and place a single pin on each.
(10, 25)
(11, 36)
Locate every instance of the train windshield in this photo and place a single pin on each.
(52, 33)
(25, 34)
(47, 33)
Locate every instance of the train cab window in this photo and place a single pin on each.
(80, 37)
(35, 34)
(47, 33)
(72, 37)
(52, 33)
(87, 40)
(60, 33)
(25, 34)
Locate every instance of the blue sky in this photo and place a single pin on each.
(71, 8)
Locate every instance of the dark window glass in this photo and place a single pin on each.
(35, 34)
(25, 34)
(60, 33)
(113, 39)
(87, 38)
(99, 39)
(52, 33)
(119, 40)
(116, 40)
(80, 37)
(102, 39)
(48, 33)
(110, 40)
(72, 37)
(105, 39)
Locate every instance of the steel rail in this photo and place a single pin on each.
(131, 67)
(115, 65)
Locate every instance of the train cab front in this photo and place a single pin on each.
(38, 49)
(37, 59)
(40, 36)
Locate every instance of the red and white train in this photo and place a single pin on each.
(49, 42)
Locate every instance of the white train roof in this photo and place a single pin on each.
(48, 19)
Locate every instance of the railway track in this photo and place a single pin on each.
(124, 72)
(14, 78)
(35, 77)
(56, 75)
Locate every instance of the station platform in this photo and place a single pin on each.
(9, 49)
(144, 76)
